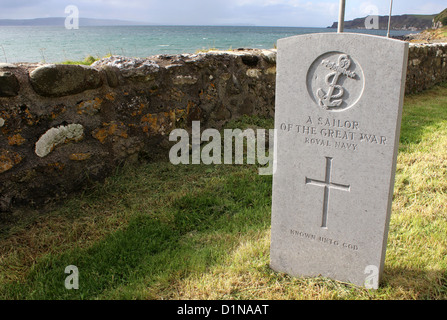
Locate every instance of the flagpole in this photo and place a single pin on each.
(389, 19)
(341, 17)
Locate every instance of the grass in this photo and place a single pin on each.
(158, 231)
(203, 50)
(434, 34)
(86, 62)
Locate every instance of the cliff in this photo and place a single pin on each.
(440, 20)
(403, 22)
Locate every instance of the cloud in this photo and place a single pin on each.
(259, 12)
(285, 12)
(356, 10)
(7, 4)
(318, 13)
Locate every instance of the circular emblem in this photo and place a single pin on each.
(335, 81)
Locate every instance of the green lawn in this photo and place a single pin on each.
(159, 231)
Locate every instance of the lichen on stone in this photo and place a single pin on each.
(16, 140)
(254, 73)
(136, 68)
(8, 160)
(184, 80)
(269, 55)
(90, 107)
(112, 129)
(164, 122)
(80, 156)
(57, 136)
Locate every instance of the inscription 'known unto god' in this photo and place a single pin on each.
(324, 240)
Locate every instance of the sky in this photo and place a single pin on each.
(293, 13)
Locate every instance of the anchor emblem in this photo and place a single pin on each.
(332, 98)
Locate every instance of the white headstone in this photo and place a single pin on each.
(338, 116)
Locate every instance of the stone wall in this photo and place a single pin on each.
(427, 66)
(63, 126)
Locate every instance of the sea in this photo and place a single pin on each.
(40, 44)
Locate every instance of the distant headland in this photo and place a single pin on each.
(59, 21)
(402, 22)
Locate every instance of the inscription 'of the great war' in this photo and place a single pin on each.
(334, 133)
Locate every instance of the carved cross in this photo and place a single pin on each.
(327, 185)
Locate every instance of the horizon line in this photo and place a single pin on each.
(144, 23)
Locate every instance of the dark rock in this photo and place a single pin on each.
(5, 203)
(111, 75)
(64, 80)
(221, 113)
(250, 60)
(9, 85)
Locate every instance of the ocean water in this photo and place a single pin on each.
(57, 44)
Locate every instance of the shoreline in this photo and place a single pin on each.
(57, 44)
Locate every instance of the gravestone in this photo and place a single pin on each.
(338, 114)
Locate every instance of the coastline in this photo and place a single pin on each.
(56, 44)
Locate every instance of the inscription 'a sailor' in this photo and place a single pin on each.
(337, 123)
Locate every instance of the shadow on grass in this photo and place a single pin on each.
(156, 251)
